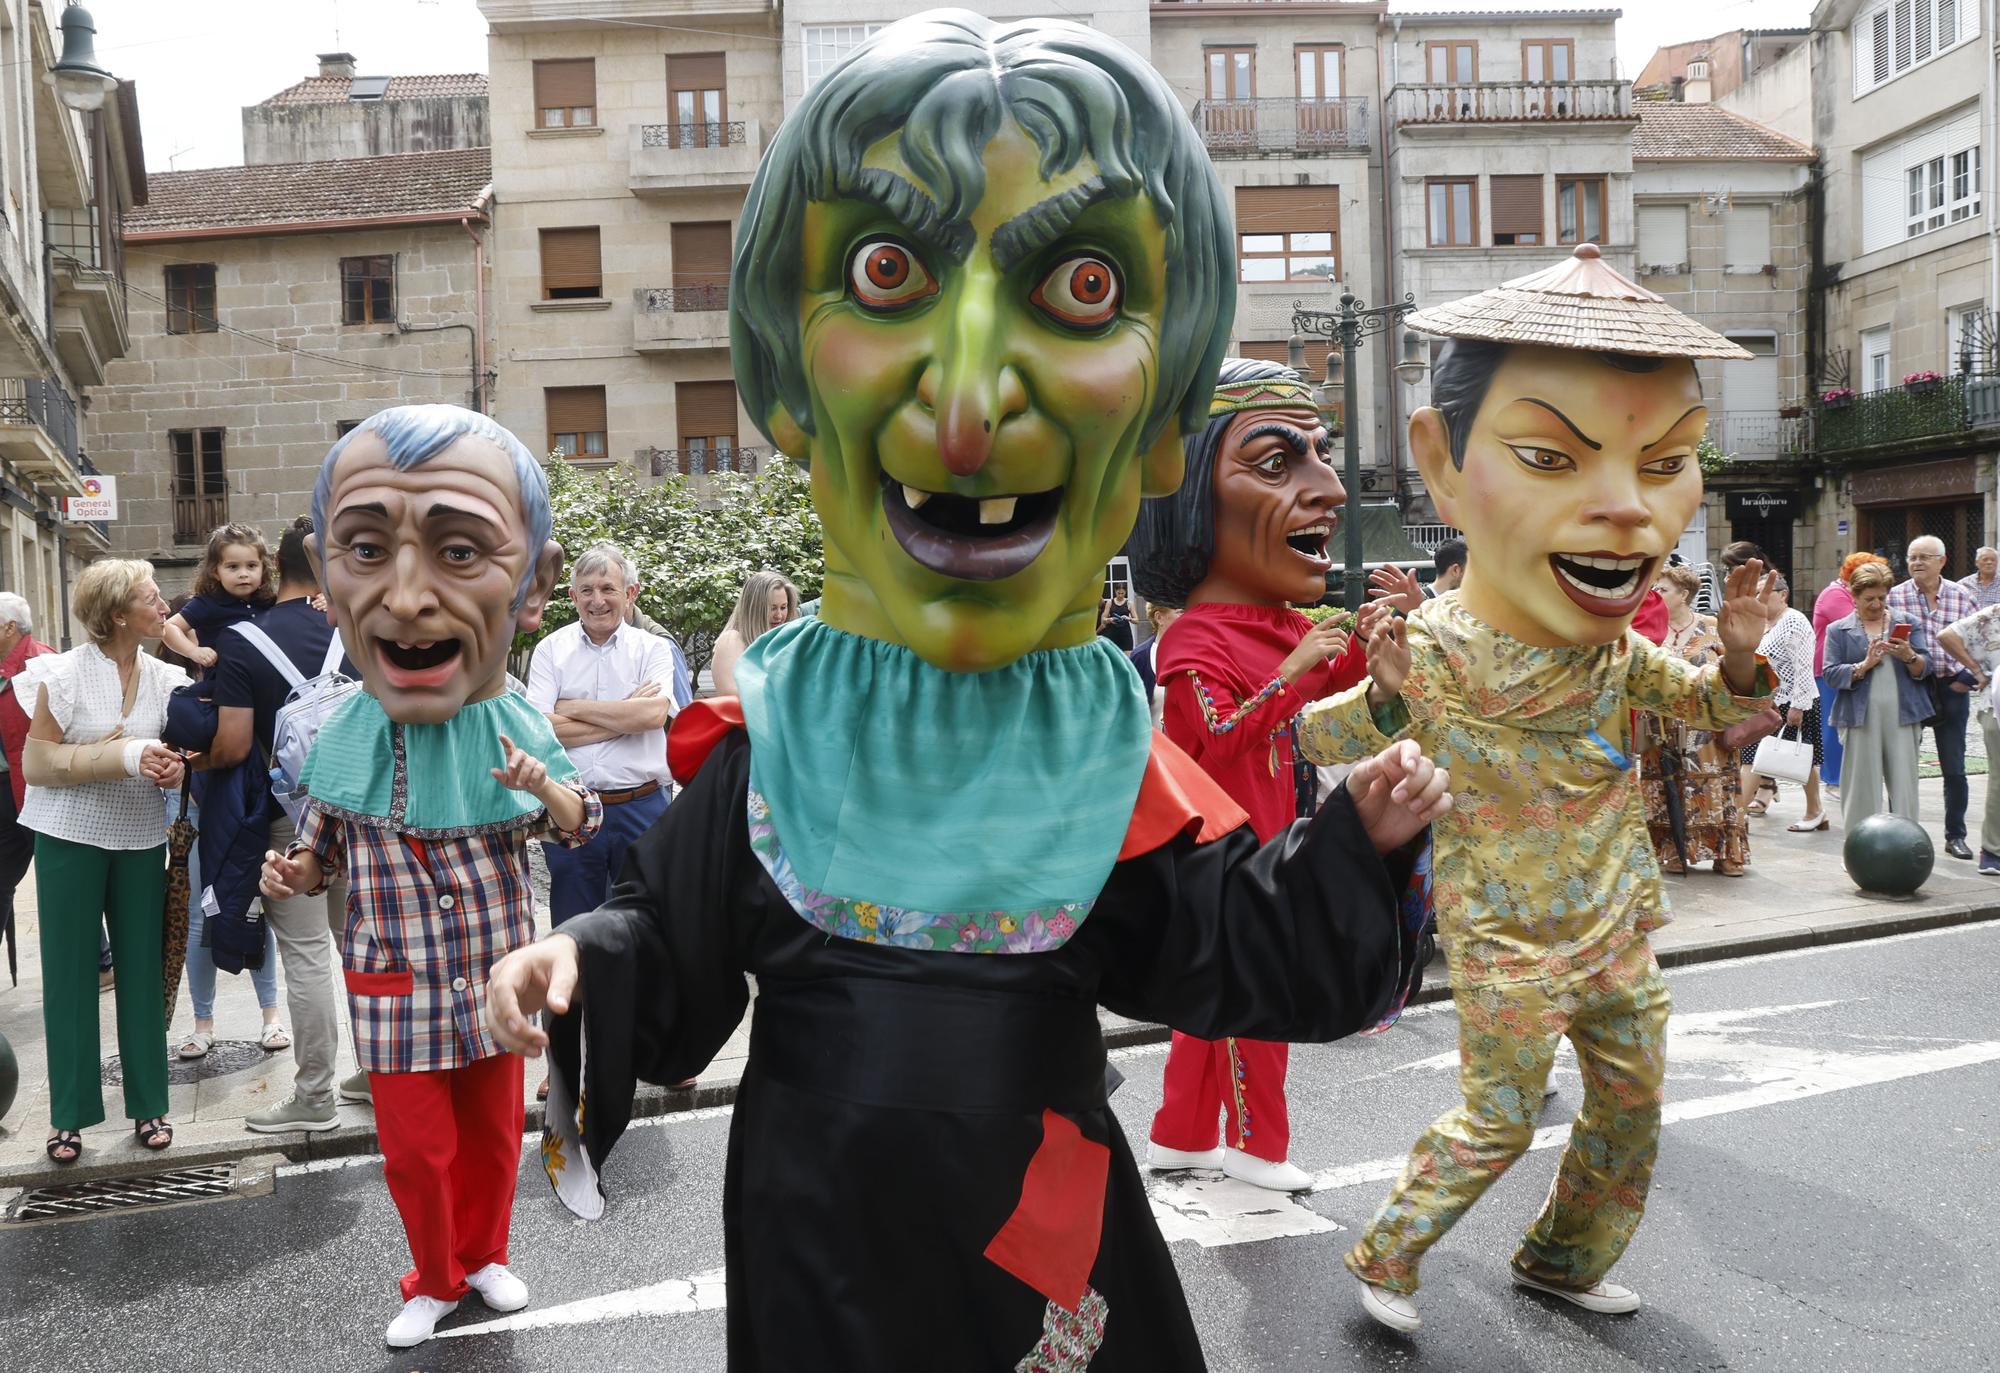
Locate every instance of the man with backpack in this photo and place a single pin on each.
(250, 689)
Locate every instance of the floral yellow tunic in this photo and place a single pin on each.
(1543, 869)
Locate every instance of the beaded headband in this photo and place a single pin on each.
(1268, 393)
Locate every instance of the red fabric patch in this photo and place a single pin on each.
(1050, 1242)
(380, 984)
(1176, 797)
(1651, 618)
(696, 731)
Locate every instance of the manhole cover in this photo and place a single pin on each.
(70, 1199)
(228, 1056)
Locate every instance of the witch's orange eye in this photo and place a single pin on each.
(887, 275)
(1082, 292)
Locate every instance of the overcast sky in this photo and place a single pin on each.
(198, 62)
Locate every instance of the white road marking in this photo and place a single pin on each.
(676, 1296)
(1213, 1210)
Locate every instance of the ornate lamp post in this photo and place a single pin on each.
(1349, 325)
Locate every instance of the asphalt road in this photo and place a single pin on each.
(1824, 1202)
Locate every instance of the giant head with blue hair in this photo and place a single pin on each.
(432, 542)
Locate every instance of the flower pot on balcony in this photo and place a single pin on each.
(1918, 388)
(1837, 402)
(1791, 412)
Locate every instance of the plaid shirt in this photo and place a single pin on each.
(1954, 603)
(426, 919)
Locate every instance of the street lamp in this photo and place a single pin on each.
(79, 81)
(1349, 325)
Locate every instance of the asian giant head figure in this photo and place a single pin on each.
(982, 288)
(1562, 442)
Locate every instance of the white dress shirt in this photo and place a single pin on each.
(567, 666)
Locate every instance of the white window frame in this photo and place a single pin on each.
(1954, 328)
(1896, 37)
(1869, 354)
(821, 46)
(1941, 191)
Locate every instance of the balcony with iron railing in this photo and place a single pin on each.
(1282, 127)
(672, 319)
(668, 159)
(703, 462)
(1511, 102)
(38, 433)
(1912, 414)
(1757, 434)
(87, 309)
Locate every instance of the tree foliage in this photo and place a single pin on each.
(692, 549)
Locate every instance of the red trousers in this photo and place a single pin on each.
(1243, 1078)
(451, 1151)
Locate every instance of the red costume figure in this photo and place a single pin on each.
(1244, 538)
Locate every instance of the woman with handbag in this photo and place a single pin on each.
(1788, 646)
(95, 769)
(1707, 823)
(1878, 707)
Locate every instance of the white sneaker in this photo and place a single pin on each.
(1606, 1298)
(1161, 1159)
(498, 1288)
(417, 1320)
(1283, 1176)
(1393, 1309)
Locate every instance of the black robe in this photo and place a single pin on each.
(893, 1098)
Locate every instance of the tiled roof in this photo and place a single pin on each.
(1498, 9)
(281, 193)
(331, 90)
(1668, 129)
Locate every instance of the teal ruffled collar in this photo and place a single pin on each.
(894, 783)
(429, 781)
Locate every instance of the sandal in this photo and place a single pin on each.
(61, 1140)
(196, 1045)
(147, 1131)
(1727, 869)
(1812, 824)
(274, 1038)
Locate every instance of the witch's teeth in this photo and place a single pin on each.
(913, 497)
(997, 509)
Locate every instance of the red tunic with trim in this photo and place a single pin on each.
(1228, 710)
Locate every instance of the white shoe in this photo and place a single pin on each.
(1276, 1177)
(498, 1288)
(1393, 1309)
(417, 1320)
(1606, 1298)
(1161, 1159)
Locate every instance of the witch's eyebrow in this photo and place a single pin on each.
(1035, 228)
(912, 207)
(1292, 438)
(1582, 437)
(1670, 429)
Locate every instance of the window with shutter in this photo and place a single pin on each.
(1897, 36)
(200, 486)
(1663, 237)
(191, 299)
(701, 265)
(706, 411)
(1281, 352)
(572, 267)
(1517, 210)
(1288, 233)
(1747, 238)
(697, 96)
(566, 93)
(576, 420)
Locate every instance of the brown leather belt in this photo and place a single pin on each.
(616, 798)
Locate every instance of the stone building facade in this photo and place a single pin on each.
(273, 307)
(338, 114)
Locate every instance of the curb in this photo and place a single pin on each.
(650, 1102)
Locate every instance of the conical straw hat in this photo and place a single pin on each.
(1581, 302)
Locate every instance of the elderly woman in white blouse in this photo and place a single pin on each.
(95, 768)
(1788, 644)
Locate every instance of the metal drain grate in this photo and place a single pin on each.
(71, 1199)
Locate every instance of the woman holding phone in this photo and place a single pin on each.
(1874, 660)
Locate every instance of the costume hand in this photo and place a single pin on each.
(1740, 622)
(542, 974)
(284, 876)
(1398, 792)
(522, 773)
(1388, 660)
(1372, 616)
(1323, 641)
(1396, 587)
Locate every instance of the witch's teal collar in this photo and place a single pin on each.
(894, 783)
(429, 781)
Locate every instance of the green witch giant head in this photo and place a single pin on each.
(982, 287)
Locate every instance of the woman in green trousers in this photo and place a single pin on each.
(95, 768)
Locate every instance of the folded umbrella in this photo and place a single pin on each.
(174, 912)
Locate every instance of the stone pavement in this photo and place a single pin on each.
(1795, 893)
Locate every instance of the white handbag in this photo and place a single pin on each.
(1790, 760)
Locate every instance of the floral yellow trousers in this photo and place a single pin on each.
(1507, 1039)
